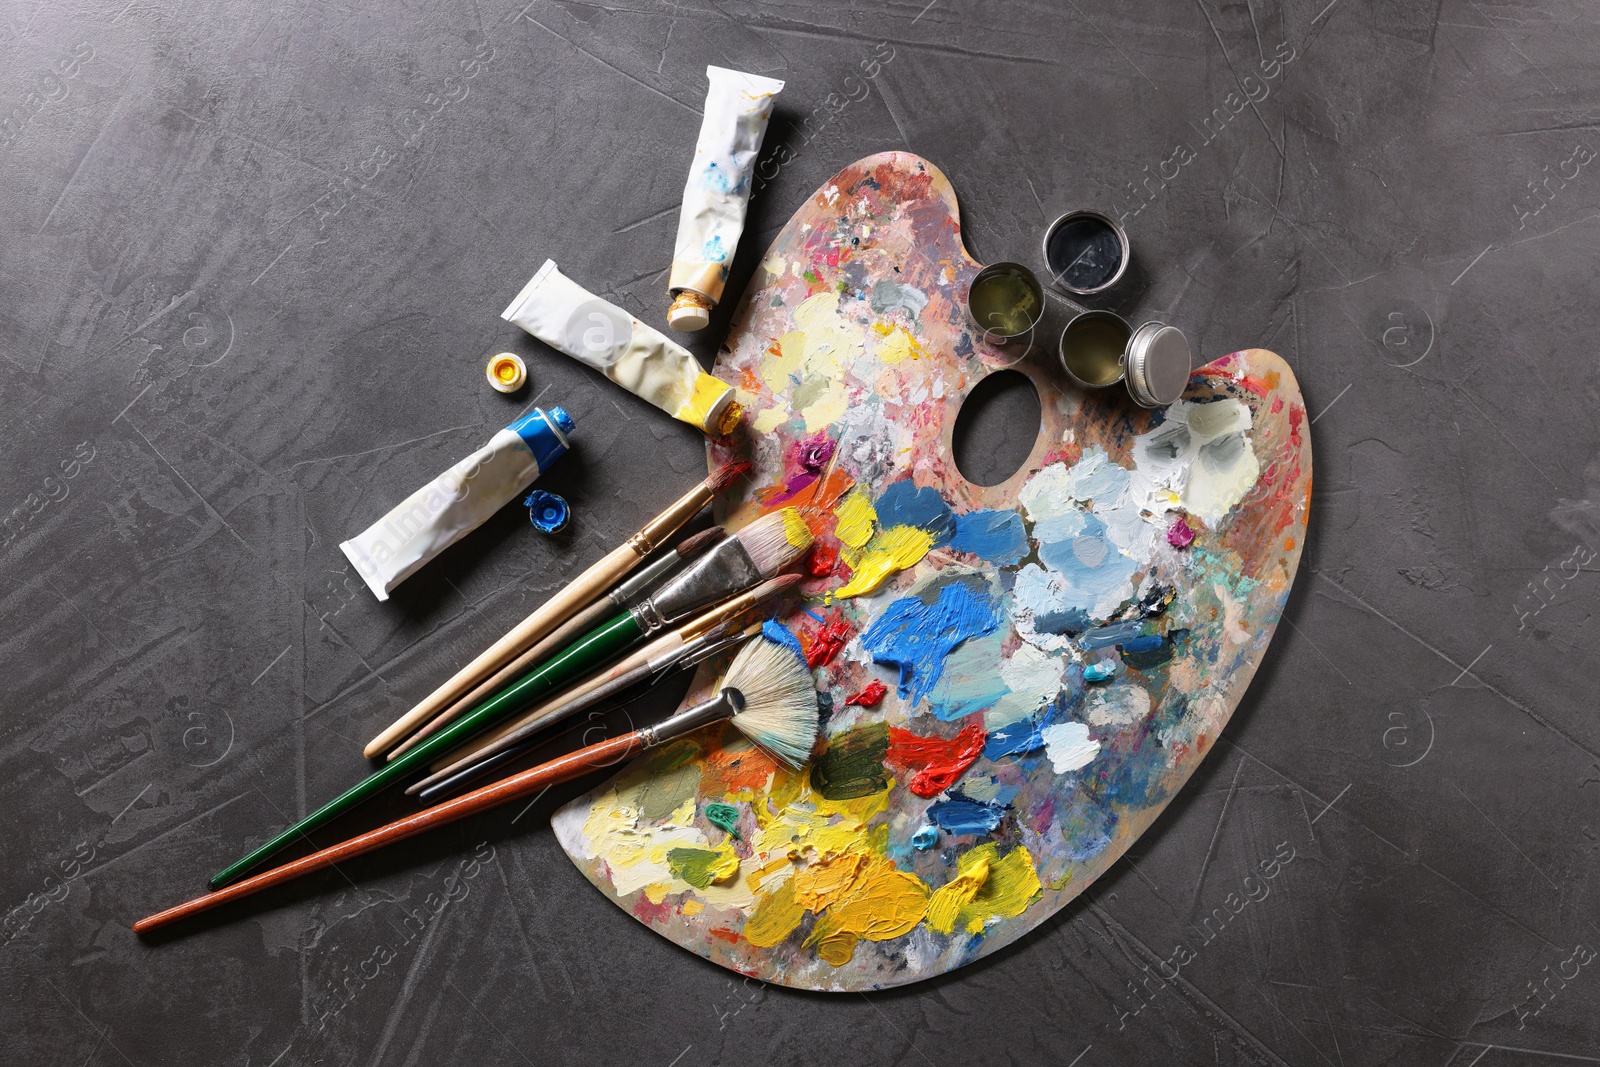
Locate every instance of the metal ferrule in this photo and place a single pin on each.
(703, 648)
(644, 579)
(724, 705)
(664, 525)
(720, 573)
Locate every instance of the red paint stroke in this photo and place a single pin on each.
(1255, 385)
(733, 937)
(649, 913)
(1297, 415)
(824, 558)
(941, 760)
(1277, 404)
(870, 695)
(823, 644)
(1180, 534)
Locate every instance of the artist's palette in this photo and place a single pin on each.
(1056, 653)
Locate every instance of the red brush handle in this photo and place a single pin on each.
(572, 765)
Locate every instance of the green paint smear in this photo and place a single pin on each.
(693, 865)
(853, 764)
(725, 816)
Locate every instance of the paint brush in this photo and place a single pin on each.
(624, 594)
(527, 735)
(767, 695)
(577, 593)
(754, 554)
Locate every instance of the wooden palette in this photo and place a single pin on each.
(1000, 773)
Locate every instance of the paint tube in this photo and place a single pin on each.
(572, 320)
(718, 192)
(454, 504)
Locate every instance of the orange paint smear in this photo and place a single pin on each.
(723, 772)
(938, 761)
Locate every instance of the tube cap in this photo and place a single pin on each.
(548, 512)
(1158, 363)
(689, 311)
(506, 372)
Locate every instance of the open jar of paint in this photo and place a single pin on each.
(1086, 252)
(1006, 302)
(1099, 349)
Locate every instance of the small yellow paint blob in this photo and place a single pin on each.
(795, 528)
(1012, 885)
(774, 917)
(889, 553)
(855, 517)
(656, 892)
(898, 346)
(692, 907)
(944, 907)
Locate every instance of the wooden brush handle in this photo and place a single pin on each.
(580, 591)
(591, 616)
(535, 779)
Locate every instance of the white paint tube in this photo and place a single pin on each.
(718, 192)
(454, 504)
(641, 359)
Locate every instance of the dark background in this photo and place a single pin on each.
(252, 258)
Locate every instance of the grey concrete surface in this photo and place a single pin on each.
(252, 256)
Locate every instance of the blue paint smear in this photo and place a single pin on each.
(1106, 636)
(958, 815)
(1013, 739)
(1092, 566)
(1143, 644)
(903, 504)
(916, 638)
(716, 178)
(997, 536)
(779, 634)
(1070, 621)
(714, 250)
(925, 838)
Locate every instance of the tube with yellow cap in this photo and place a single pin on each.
(641, 359)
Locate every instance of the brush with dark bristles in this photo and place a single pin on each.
(752, 555)
(624, 594)
(767, 694)
(561, 607)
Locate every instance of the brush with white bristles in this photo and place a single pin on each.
(767, 694)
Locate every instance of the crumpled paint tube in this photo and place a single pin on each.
(718, 192)
(643, 360)
(454, 504)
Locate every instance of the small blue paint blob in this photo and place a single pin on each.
(925, 838)
(961, 815)
(997, 536)
(1014, 739)
(1143, 644)
(903, 504)
(715, 251)
(1099, 672)
(779, 634)
(548, 512)
(1105, 636)
(1142, 653)
(916, 638)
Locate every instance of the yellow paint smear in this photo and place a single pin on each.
(1012, 885)
(889, 553)
(774, 917)
(883, 902)
(795, 528)
(944, 907)
(823, 883)
(855, 518)
(692, 907)
(897, 346)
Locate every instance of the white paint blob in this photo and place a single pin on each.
(1069, 746)
(1200, 459)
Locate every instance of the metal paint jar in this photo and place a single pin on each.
(1005, 301)
(1093, 348)
(1086, 252)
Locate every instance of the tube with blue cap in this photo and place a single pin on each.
(454, 504)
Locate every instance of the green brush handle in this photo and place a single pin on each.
(583, 655)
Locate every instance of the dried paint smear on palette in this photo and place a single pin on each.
(1015, 679)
